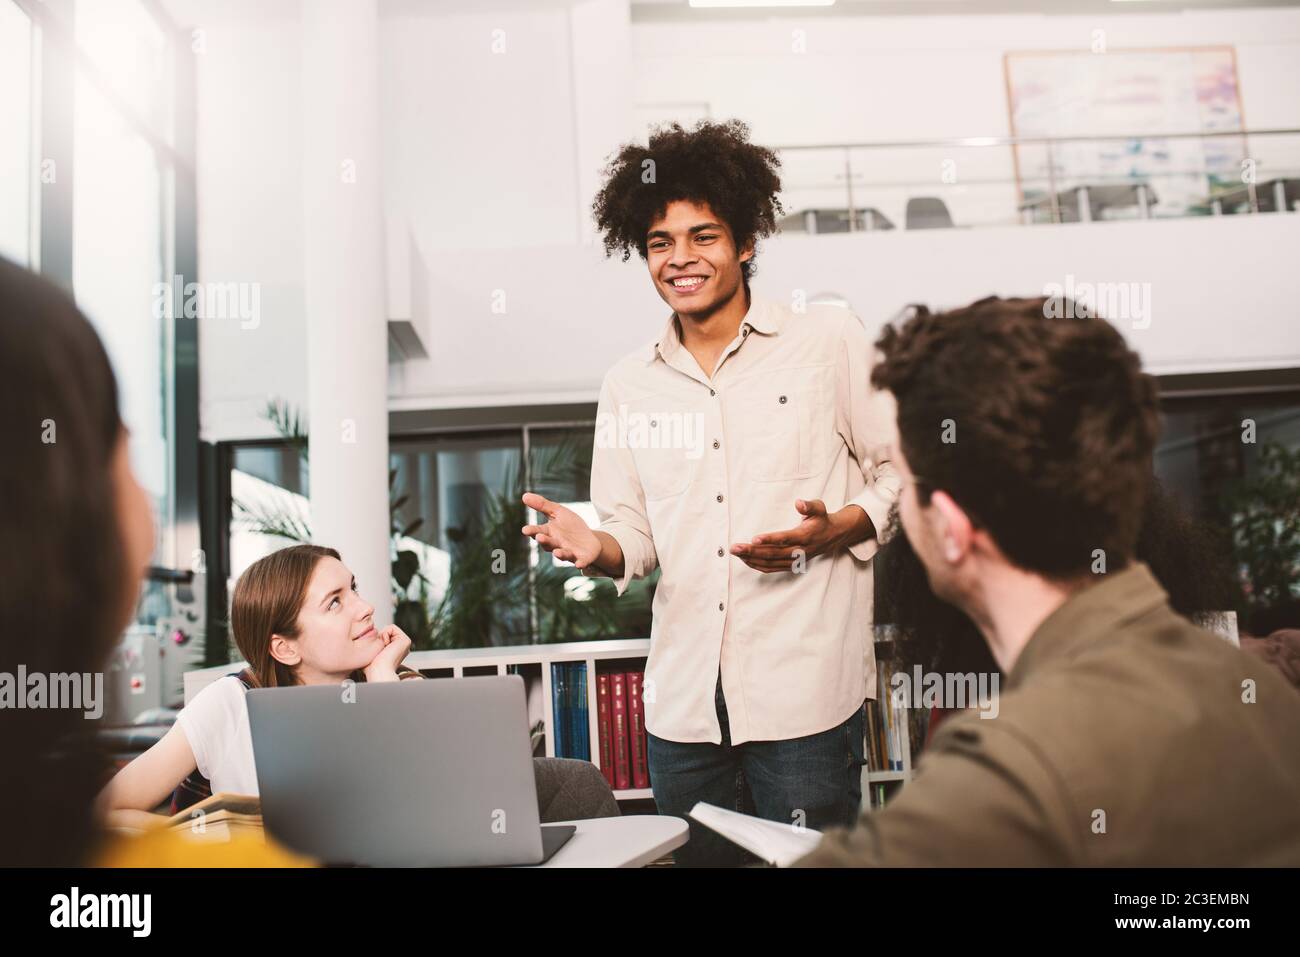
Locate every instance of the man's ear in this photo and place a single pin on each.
(285, 650)
(747, 252)
(953, 530)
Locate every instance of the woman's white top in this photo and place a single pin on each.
(216, 725)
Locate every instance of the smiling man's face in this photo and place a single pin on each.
(693, 259)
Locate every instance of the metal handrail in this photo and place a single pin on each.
(1030, 140)
(1003, 141)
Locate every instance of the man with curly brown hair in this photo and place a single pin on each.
(743, 416)
(1125, 736)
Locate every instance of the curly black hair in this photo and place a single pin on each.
(713, 163)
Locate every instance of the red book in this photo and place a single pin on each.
(636, 730)
(604, 728)
(618, 709)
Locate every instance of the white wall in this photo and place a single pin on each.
(890, 79)
(485, 144)
(1212, 294)
(491, 160)
(1222, 291)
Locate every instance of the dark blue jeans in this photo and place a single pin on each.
(819, 775)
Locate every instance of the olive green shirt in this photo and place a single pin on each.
(1124, 735)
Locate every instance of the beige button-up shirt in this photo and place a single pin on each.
(686, 464)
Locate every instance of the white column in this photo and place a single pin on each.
(600, 49)
(343, 286)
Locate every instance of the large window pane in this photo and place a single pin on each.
(456, 520)
(464, 575)
(1235, 461)
(128, 50)
(269, 504)
(569, 605)
(117, 263)
(16, 138)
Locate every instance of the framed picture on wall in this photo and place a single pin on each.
(1116, 114)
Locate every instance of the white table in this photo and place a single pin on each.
(633, 840)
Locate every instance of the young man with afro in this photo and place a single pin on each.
(744, 453)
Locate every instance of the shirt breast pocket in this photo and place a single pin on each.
(778, 418)
(666, 438)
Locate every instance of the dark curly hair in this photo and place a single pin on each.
(713, 163)
(1041, 429)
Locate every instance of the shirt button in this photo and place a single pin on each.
(717, 444)
(719, 552)
(745, 331)
(711, 392)
(719, 606)
(782, 402)
(719, 498)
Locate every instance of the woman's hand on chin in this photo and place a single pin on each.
(396, 646)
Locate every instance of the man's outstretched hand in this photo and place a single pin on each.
(565, 534)
(818, 532)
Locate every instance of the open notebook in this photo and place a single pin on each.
(777, 843)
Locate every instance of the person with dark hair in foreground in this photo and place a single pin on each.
(76, 535)
(1125, 735)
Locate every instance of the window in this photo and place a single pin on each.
(88, 167)
(117, 262)
(16, 146)
(1231, 456)
(463, 573)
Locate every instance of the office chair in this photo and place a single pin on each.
(928, 212)
(570, 790)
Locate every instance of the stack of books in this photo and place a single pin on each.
(219, 818)
(891, 726)
(620, 714)
(620, 722)
(569, 706)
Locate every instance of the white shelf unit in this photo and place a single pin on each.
(877, 777)
(884, 635)
(499, 659)
(479, 660)
(591, 652)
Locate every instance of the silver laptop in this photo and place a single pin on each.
(401, 774)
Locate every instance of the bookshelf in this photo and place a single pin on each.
(617, 654)
(536, 660)
(457, 663)
(884, 636)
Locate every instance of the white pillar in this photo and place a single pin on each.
(343, 286)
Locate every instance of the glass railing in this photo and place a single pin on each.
(1007, 180)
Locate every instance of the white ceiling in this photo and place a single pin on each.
(193, 12)
(659, 10)
(187, 13)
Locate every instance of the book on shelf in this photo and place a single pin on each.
(557, 708)
(622, 761)
(892, 727)
(581, 736)
(876, 796)
(636, 731)
(604, 728)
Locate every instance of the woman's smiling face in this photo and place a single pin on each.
(336, 628)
